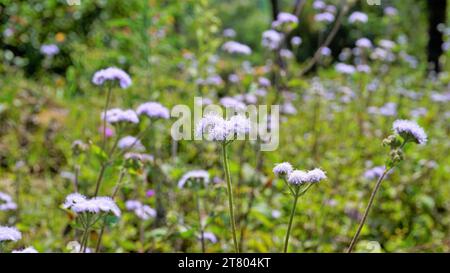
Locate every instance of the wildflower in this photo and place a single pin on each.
(49, 50)
(73, 199)
(117, 115)
(233, 47)
(358, 17)
(390, 11)
(130, 143)
(283, 169)
(297, 177)
(285, 21)
(296, 41)
(6, 202)
(286, 53)
(153, 110)
(345, 68)
(300, 177)
(272, 39)
(219, 129)
(233, 78)
(112, 74)
(195, 175)
(229, 102)
(142, 211)
(80, 204)
(276, 214)
(229, 33)
(326, 17)
(264, 82)
(318, 5)
(418, 112)
(363, 68)
(410, 130)
(315, 175)
(374, 173)
(150, 193)
(364, 43)
(325, 51)
(144, 158)
(387, 44)
(9, 234)
(26, 250)
(209, 236)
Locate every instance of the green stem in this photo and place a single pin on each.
(108, 99)
(294, 206)
(102, 230)
(366, 212)
(230, 196)
(202, 236)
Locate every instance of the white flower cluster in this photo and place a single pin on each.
(117, 115)
(142, 211)
(6, 202)
(296, 177)
(130, 143)
(80, 204)
(272, 39)
(112, 74)
(153, 110)
(409, 129)
(9, 234)
(218, 129)
(26, 250)
(233, 47)
(194, 175)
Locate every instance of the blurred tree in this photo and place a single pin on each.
(436, 15)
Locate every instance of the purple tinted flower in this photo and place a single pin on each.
(296, 41)
(195, 175)
(117, 115)
(272, 39)
(374, 173)
(9, 234)
(49, 50)
(345, 68)
(285, 21)
(130, 143)
(410, 130)
(26, 250)
(358, 17)
(209, 236)
(150, 193)
(112, 74)
(282, 169)
(233, 47)
(364, 43)
(142, 211)
(6, 202)
(229, 33)
(325, 17)
(153, 110)
(109, 132)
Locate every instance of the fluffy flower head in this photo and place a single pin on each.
(9, 234)
(410, 130)
(112, 74)
(194, 175)
(153, 110)
(281, 169)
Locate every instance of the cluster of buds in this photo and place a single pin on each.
(79, 147)
(404, 131)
